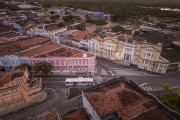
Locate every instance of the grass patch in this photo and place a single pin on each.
(169, 100)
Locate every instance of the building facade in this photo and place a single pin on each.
(18, 89)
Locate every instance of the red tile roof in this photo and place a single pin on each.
(40, 50)
(123, 37)
(53, 50)
(21, 44)
(79, 114)
(6, 76)
(122, 98)
(82, 35)
(4, 40)
(4, 29)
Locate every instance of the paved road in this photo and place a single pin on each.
(60, 101)
(148, 81)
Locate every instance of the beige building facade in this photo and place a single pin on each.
(127, 50)
(17, 89)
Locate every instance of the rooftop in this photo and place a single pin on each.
(53, 50)
(4, 29)
(40, 50)
(48, 116)
(10, 34)
(4, 40)
(52, 27)
(82, 35)
(6, 76)
(171, 53)
(125, 101)
(153, 38)
(79, 114)
(16, 46)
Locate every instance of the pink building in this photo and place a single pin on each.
(63, 59)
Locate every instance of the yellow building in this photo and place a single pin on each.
(108, 49)
(17, 89)
(150, 51)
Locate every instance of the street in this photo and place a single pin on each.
(58, 97)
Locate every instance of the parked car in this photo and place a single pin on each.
(111, 73)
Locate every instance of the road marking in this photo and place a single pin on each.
(143, 84)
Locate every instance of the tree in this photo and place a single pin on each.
(55, 17)
(161, 25)
(176, 28)
(61, 24)
(166, 87)
(68, 18)
(81, 27)
(43, 67)
(117, 29)
(178, 98)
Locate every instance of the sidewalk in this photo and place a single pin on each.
(38, 99)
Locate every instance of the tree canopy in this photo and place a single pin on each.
(43, 67)
(117, 29)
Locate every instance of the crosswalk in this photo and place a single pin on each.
(145, 87)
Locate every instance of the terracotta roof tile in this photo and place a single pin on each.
(81, 34)
(21, 44)
(79, 114)
(119, 97)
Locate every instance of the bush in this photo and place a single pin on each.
(97, 22)
(61, 24)
(81, 27)
(43, 67)
(117, 29)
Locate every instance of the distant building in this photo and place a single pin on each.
(91, 14)
(18, 88)
(40, 49)
(119, 99)
(150, 51)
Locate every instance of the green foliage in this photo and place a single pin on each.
(161, 25)
(170, 100)
(43, 67)
(117, 29)
(61, 24)
(9, 6)
(98, 22)
(68, 18)
(176, 28)
(55, 17)
(81, 27)
(166, 87)
(26, 65)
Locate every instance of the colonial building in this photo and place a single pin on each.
(146, 50)
(47, 31)
(18, 88)
(40, 49)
